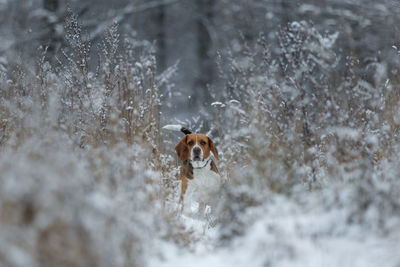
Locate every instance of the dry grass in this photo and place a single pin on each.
(81, 156)
(83, 164)
(295, 132)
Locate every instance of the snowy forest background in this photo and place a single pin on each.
(301, 97)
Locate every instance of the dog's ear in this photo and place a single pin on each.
(182, 149)
(213, 148)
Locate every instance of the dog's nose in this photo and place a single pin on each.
(197, 150)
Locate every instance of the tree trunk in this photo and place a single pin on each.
(206, 64)
(50, 5)
(161, 37)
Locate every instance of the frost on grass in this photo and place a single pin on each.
(307, 137)
(54, 211)
(80, 161)
(309, 151)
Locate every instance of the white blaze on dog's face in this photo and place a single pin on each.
(197, 148)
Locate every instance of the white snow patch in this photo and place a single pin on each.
(345, 133)
(286, 234)
(218, 104)
(173, 127)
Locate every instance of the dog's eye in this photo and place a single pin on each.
(190, 143)
(202, 143)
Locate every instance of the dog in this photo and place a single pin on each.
(199, 175)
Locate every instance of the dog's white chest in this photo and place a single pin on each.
(205, 180)
(203, 189)
(204, 186)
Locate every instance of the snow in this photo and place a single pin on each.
(287, 234)
(345, 133)
(172, 127)
(308, 153)
(216, 104)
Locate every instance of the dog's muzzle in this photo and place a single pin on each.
(197, 154)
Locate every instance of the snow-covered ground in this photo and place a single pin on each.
(286, 234)
(89, 178)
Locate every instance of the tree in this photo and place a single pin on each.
(206, 62)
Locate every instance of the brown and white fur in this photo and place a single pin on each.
(199, 174)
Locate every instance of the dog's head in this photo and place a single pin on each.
(196, 147)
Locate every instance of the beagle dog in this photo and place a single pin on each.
(199, 175)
